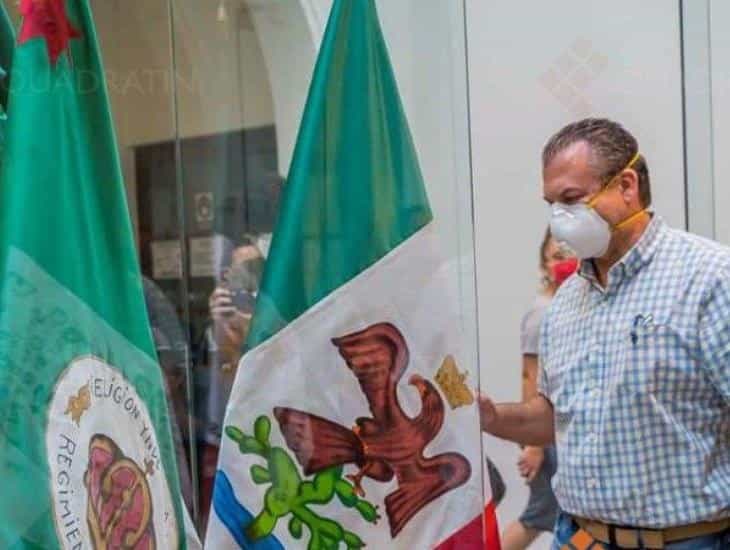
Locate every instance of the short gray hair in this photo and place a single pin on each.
(612, 148)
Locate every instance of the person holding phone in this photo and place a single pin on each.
(233, 300)
(231, 306)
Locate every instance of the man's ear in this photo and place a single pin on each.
(629, 184)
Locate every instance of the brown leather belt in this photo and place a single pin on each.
(628, 537)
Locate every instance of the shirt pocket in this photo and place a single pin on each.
(661, 362)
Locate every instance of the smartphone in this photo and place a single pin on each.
(243, 300)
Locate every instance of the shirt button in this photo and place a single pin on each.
(592, 483)
(596, 392)
(591, 438)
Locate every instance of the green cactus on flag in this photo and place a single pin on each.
(291, 495)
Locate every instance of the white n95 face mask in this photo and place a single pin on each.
(581, 228)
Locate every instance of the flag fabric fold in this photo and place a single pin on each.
(86, 454)
(352, 420)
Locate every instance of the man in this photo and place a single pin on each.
(231, 303)
(635, 360)
(231, 308)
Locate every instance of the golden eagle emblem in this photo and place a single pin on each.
(78, 404)
(453, 384)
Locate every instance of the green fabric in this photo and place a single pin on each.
(64, 224)
(354, 190)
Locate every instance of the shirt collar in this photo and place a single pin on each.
(636, 258)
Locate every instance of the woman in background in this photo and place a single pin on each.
(536, 464)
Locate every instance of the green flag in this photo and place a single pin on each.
(355, 189)
(357, 328)
(86, 457)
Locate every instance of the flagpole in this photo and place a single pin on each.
(184, 290)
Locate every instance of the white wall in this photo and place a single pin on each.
(224, 82)
(719, 41)
(135, 43)
(289, 33)
(531, 72)
(698, 91)
(221, 77)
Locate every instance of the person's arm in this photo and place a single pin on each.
(532, 456)
(529, 423)
(529, 376)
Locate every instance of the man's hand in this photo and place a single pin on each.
(487, 413)
(530, 423)
(220, 303)
(530, 462)
(230, 326)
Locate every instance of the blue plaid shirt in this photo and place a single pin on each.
(639, 377)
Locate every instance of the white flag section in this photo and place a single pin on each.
(313, 420)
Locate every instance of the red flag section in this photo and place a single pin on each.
(481, 533)
(47, 19)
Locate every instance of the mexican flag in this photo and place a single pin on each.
(86, 457)
(352, 419)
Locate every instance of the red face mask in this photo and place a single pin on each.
(564, 269)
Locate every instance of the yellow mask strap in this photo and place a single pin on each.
(630, 219)
(633, 160)
(591, 203)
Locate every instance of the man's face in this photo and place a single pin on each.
(246, 268)
(569, 178)
(244, 253)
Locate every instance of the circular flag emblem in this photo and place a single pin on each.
(108, 484)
